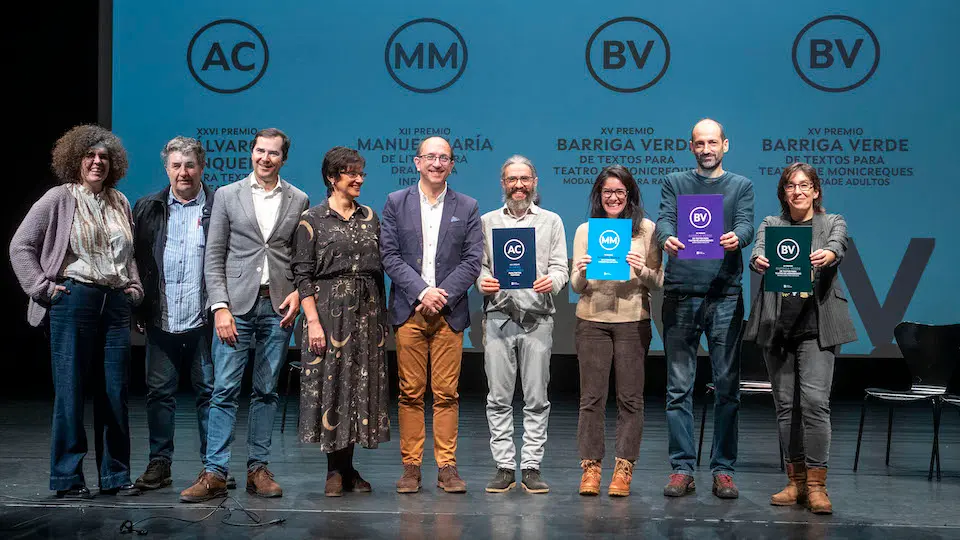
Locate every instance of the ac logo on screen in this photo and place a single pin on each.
(609, 239)
(513, 249)
(700, 217)
(788, 249)
(836, 53)
(227, 56)
(426, 55)
(628, 54)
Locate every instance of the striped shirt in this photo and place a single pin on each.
(182, 288)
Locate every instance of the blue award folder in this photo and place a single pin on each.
(515, 257)
(608, 242)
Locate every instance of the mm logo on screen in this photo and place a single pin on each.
(426, 55)
(513, 249)
(836, 53)
(227, 56)
(700, 217)
(609, 239)
(628, 54)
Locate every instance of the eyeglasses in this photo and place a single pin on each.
(802, 186)
(353, 175)
(511, 180)
(611, 193)
(429, 158)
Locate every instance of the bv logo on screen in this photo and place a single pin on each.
(700, 217)
(609, 239)
(228, 56)
(426, 55)
(513, 249)
(628, 54)
(836, 53)
(788, 249)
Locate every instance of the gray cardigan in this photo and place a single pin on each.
(833, 316)
(40, 244)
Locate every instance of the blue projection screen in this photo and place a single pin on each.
(864, 92)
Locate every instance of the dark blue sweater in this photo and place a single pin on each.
(701, 277)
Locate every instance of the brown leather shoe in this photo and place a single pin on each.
(208, 486)
(449, 480)
(410, 481)
(817, 499)
(796, 489)
(590, 480)
(334, 486)
(622, 475)
(260, 483)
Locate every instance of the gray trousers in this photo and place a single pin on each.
(507, 346)
(802, 376)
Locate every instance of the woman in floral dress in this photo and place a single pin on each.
(343, 391)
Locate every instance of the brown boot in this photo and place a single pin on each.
(622, 475)
(796, 490)
(410, 481)
(334, 485)
(590, 480)
(448, 479)
(208, 486)
(260, 483)
(817, 499)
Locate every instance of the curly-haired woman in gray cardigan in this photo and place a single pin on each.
(800, 335)
(73, 255)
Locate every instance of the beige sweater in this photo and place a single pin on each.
(618, 301)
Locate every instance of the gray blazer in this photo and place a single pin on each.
(235, 247)
(833, 316)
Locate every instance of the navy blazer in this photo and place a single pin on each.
(459, 250)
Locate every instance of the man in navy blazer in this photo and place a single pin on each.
(431, 243)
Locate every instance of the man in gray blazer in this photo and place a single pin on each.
(251, 293)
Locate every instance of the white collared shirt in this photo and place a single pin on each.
(431, 216)
(266, 205)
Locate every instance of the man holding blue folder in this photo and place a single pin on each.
(518, 322)
(704, 295)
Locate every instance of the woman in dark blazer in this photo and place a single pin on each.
(800, 334)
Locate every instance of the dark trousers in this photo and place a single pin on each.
(90, 339)
(624, 347)
(802, 376)
(685, 319)
(167, 354)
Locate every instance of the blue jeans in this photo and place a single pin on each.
(685, 318)
(90, 338)
(166, 354)
(259, 329)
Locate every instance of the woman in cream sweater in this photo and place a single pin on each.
(614, 330)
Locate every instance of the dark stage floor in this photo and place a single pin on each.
(877, 502)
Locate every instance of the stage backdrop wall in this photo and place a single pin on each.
(864, 92)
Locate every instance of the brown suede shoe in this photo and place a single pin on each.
(410, 481)
(590, 480)
(622, 475)
(449, 480)
(208, 486)
(334, 486)
(260, 483)
(796, 490)
(817, 499)
(352, 481)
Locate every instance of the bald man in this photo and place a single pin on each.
(704, 296)
(431, 243)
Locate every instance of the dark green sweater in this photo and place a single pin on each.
(701, 277)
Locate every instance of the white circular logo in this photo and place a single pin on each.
(609, 239)
(700, 217)
(788, 249)
(513, 249)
